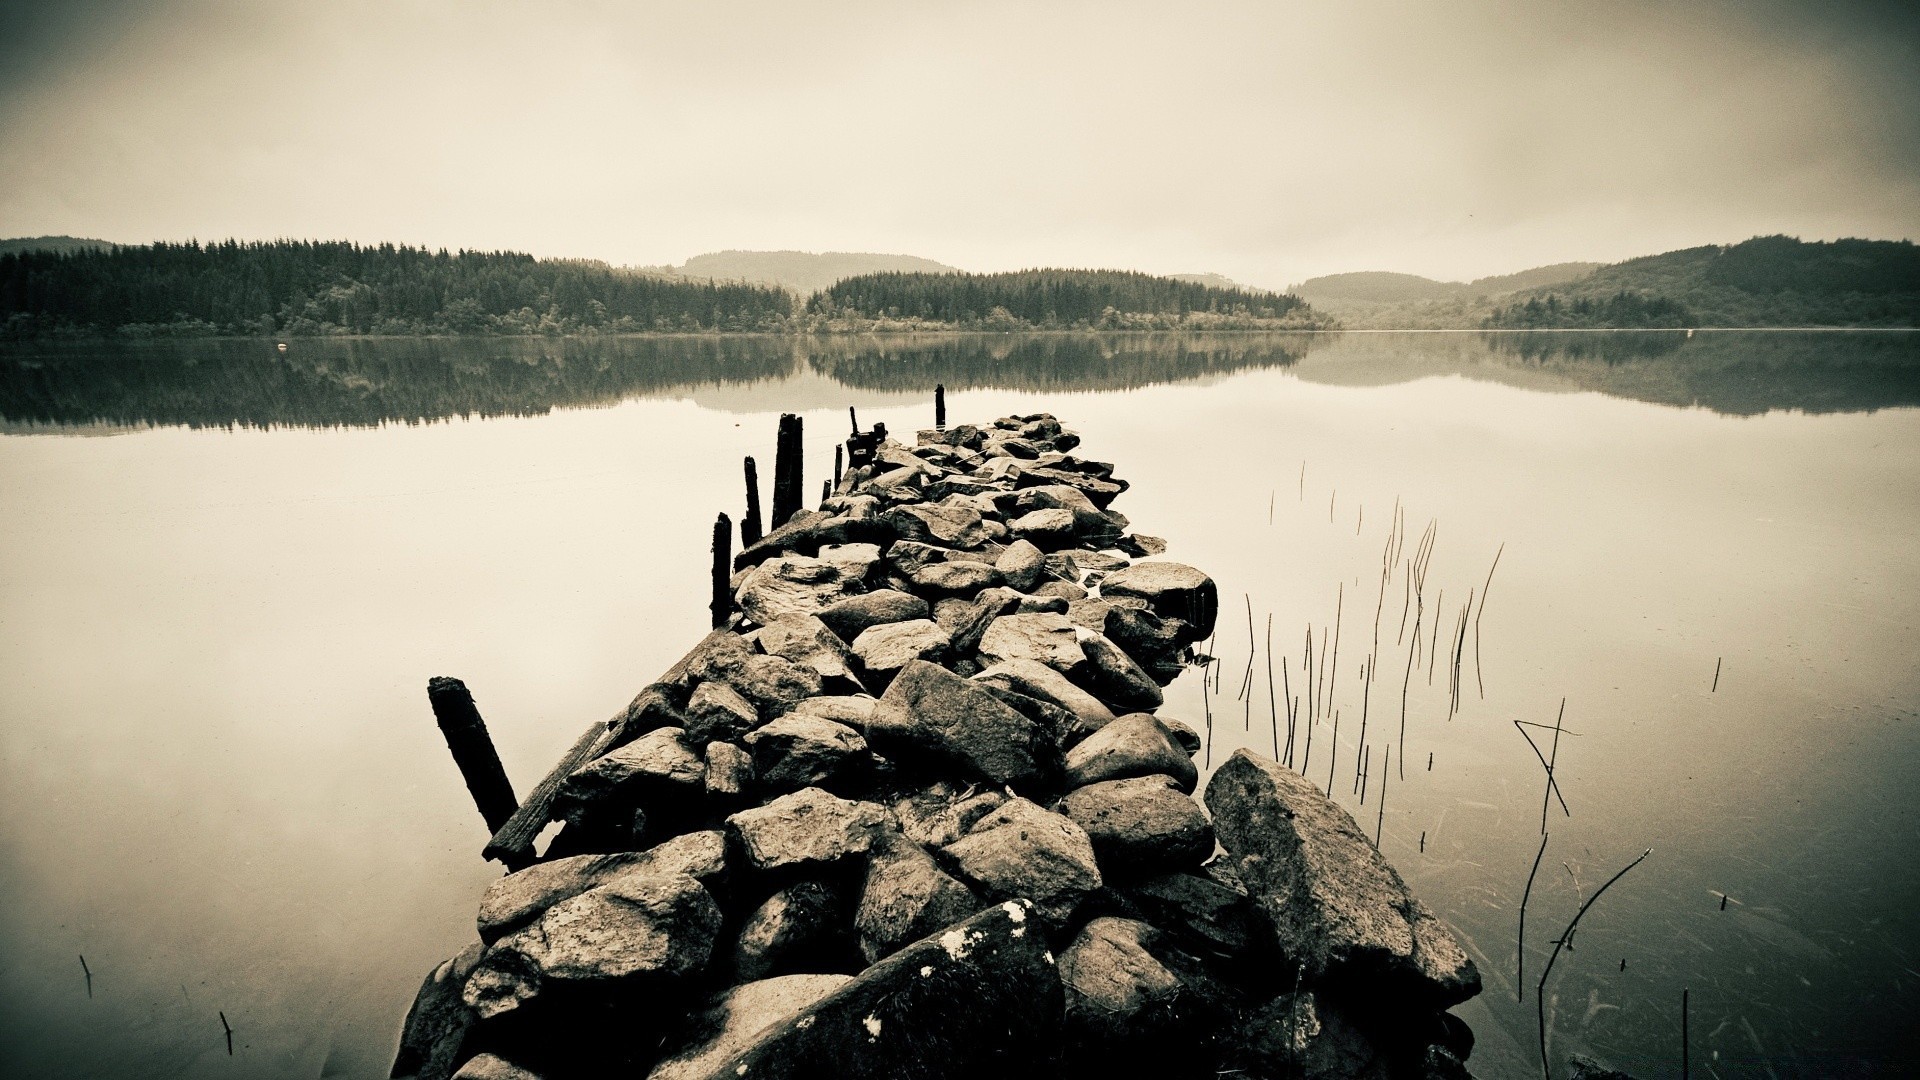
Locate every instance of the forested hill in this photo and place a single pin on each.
(1766, 281)
(1053, 299)
(316, 287)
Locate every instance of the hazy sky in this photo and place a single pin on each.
(1266, 140)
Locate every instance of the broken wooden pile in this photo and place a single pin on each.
(910, 812)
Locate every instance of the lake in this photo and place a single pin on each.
(226, 575)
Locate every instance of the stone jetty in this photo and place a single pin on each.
(912, 811)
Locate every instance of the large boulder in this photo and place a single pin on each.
(906, 896)
(943, 812)
(954, 578)
(1137, 744)
(1047, 530)
(980, 999)
(659, 763)
(948, 524)
(1158, 645)
(514, 901)
(1334, 905)
(646, 929)
(1141, 825)
(1135, 1003)
(716, 710)
(1021, 565)
(1113, 676)
(1300, 1035)
(1175, 591)
(1210, 919)
(1022, 850)
(963, 725)
(808, 828)
(739, 1015)
(437, 1024)
(799, 751)
(1034, 679)
(848, 617)
(791, 585)
(773, 684)
(885, 649)
(1100, 492)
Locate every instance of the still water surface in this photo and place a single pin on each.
(225, 577)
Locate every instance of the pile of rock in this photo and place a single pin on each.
(912, 814)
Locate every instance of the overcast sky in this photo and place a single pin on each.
(1266, 140)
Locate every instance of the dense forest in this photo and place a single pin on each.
(291, 287)
(1052, 299)
(1766, 281)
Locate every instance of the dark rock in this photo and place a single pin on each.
(1113, 676)
(800, 928)
(791, 585)
(885, 649)
(438, 1022)
(646, 928)
(794, 752)
(1136, 1004)
(1061, 568)
(806, 641)
(1176, 591)
(1157, 645)
(859, 712)
(1047, 638)
(1035, 679)
(1060, 725)
(964, 725)
(655, 764)
(808, 828)
(808, 532)
(1134, 745)
(909, 555)
(717, 711)
(1021, 850)
(944, 523)
(1065, 590)
(1585, 1068)
(1100, 492)
(906, 896)
(938, 815)
(1184, 736)
(1300, 1035)
(848, 617)
(1207, 917)
(493, 1067)
(739, 1016)
(1141, 825)
(1046, 530)
(958, 435)
(514, 901)
(729, 772)
(1021, 564)
(1141, 546)
(1334, 905)
(1101, 561)
(981, 999)
(1090, 523)
(959, 578)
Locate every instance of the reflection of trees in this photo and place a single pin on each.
(1734, 372)
(1067, 362)
(219, 383)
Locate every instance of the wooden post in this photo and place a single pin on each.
(855, 418)
(940, 405)
(722, 604)
(751, 529)
(787, 471)
(826, 490)
(839, 450)
(472, 749)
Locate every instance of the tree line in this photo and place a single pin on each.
(302, 287)
(1056, 299)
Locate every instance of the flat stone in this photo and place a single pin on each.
(945, 524)
(773, 684)
(1021, 850)
(795, 751)
(519, 898)
(806, 640)
(1175, 590)
(1043, 637)
(848, 617)
(960, 578)
(659, 762)
(1021, 565)
(963, 725)
(791, 585)
(859, 712)
(1141, 825)
(1100, 492)
(1046, 530)
(906, 896)
(1035, 679)
(806, 828)
(639, 928)
(981, 999)
(943, 812)
(883, 650)
(1334, 905)
(738, 1017)
(1102, 561)
(854, 561)
(1141, 546)
(1137, 744)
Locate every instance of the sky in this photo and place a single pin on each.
(1266, 140)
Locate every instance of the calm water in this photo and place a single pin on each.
(225, 577)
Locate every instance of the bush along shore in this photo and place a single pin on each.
(910, 811)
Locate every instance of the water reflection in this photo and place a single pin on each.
(363, 382)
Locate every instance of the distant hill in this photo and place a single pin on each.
(804, 272)
(1765, 281)
(1051, 299)
(1380, 299)
(58, 244)
(1218, 281)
